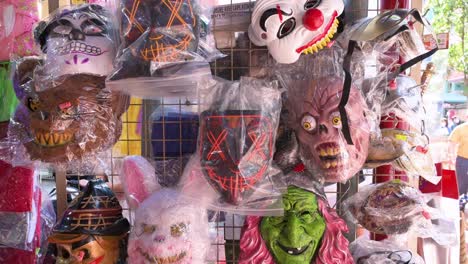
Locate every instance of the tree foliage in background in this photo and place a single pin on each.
(452, 16)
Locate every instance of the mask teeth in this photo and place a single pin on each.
(325, 40)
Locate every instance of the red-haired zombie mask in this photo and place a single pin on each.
(236, 149)
(318, 126)
(75, 118)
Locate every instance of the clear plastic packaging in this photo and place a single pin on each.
(71, 121)
(17, 18)
(78, 39)
(238, 126)
(168, 227)
(308, 228)
(367, 251)
(395, 208)
(165, 47)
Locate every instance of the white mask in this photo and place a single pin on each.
(79, 43)
(289, 28)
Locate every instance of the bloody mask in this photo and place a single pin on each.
(294, 237)
(78, 41)
(92, 229)
(77, 117)
(236, 150)
(289, 28)
(168, 229)
(317, 123)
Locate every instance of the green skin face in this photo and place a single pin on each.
(294, 237)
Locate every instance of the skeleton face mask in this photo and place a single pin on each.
(289, 28)
(78, 41)
(168, 230)
(237, 147)
(318, 128)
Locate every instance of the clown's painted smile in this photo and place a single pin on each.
(163, 260)
(294, 251)
(323, 40)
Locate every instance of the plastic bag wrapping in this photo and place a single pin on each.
(236, 146)
(17, 18)
(18, 210)
(72, 121)
(165, 47)
(395, 208)
(77, 39)
(308, 228)
(314, 96)
(367, 251)
(179, 225)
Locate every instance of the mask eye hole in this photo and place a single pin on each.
(312, 4)
(335, 119)
(62, 29)
(286, 28)
(33, 104)
(148, 229)
(308, 123)
(92, 29)
(178, 229)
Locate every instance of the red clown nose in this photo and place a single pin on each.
(313, 19)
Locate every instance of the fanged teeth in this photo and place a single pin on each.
(324, 41)
(47, 139)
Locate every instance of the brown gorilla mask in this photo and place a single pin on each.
(74, 118)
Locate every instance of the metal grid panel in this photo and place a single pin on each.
(242, 59)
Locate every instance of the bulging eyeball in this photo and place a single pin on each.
(308, 123)
(335, 119)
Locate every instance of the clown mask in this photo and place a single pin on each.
(78, 41)
(294, 237)
(88, 250)
(317, 123)
(168, 230)
(289, 28)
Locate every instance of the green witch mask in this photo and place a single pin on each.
(294, 237)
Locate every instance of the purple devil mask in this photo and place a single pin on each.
(317, 123)
(236, 149)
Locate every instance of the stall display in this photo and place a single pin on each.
(289, 29)
(309, 232)
(78, 40)
(168, 227)
(92, 229)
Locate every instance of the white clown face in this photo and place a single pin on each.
(79, 43)
(289, 28)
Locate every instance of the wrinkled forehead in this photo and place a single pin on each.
(298, 200)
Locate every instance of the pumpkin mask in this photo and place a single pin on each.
(75, 118)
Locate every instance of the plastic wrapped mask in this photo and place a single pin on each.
(291, 28)
(78, 41)
(236, 151)
(76, 118)
(308, 231)
(317, 124)
(92, 229)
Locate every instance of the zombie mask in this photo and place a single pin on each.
(168, 229)
(291, 28)
(317, 123)
(236, 150)
(78, 41)
(294, 237)
(309, 232)
(75, 118)
(92, 229)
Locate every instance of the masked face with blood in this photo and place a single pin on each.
(78, 41)
(289, 28)
(317, 123)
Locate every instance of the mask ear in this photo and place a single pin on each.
(138, 179)
(255, 38)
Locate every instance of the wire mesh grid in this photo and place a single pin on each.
(165, 130)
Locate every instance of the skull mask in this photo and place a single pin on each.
(78, 41)
(75, 118)
(236, 149)
(168, 229)
(289, 28)
(317, 123)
